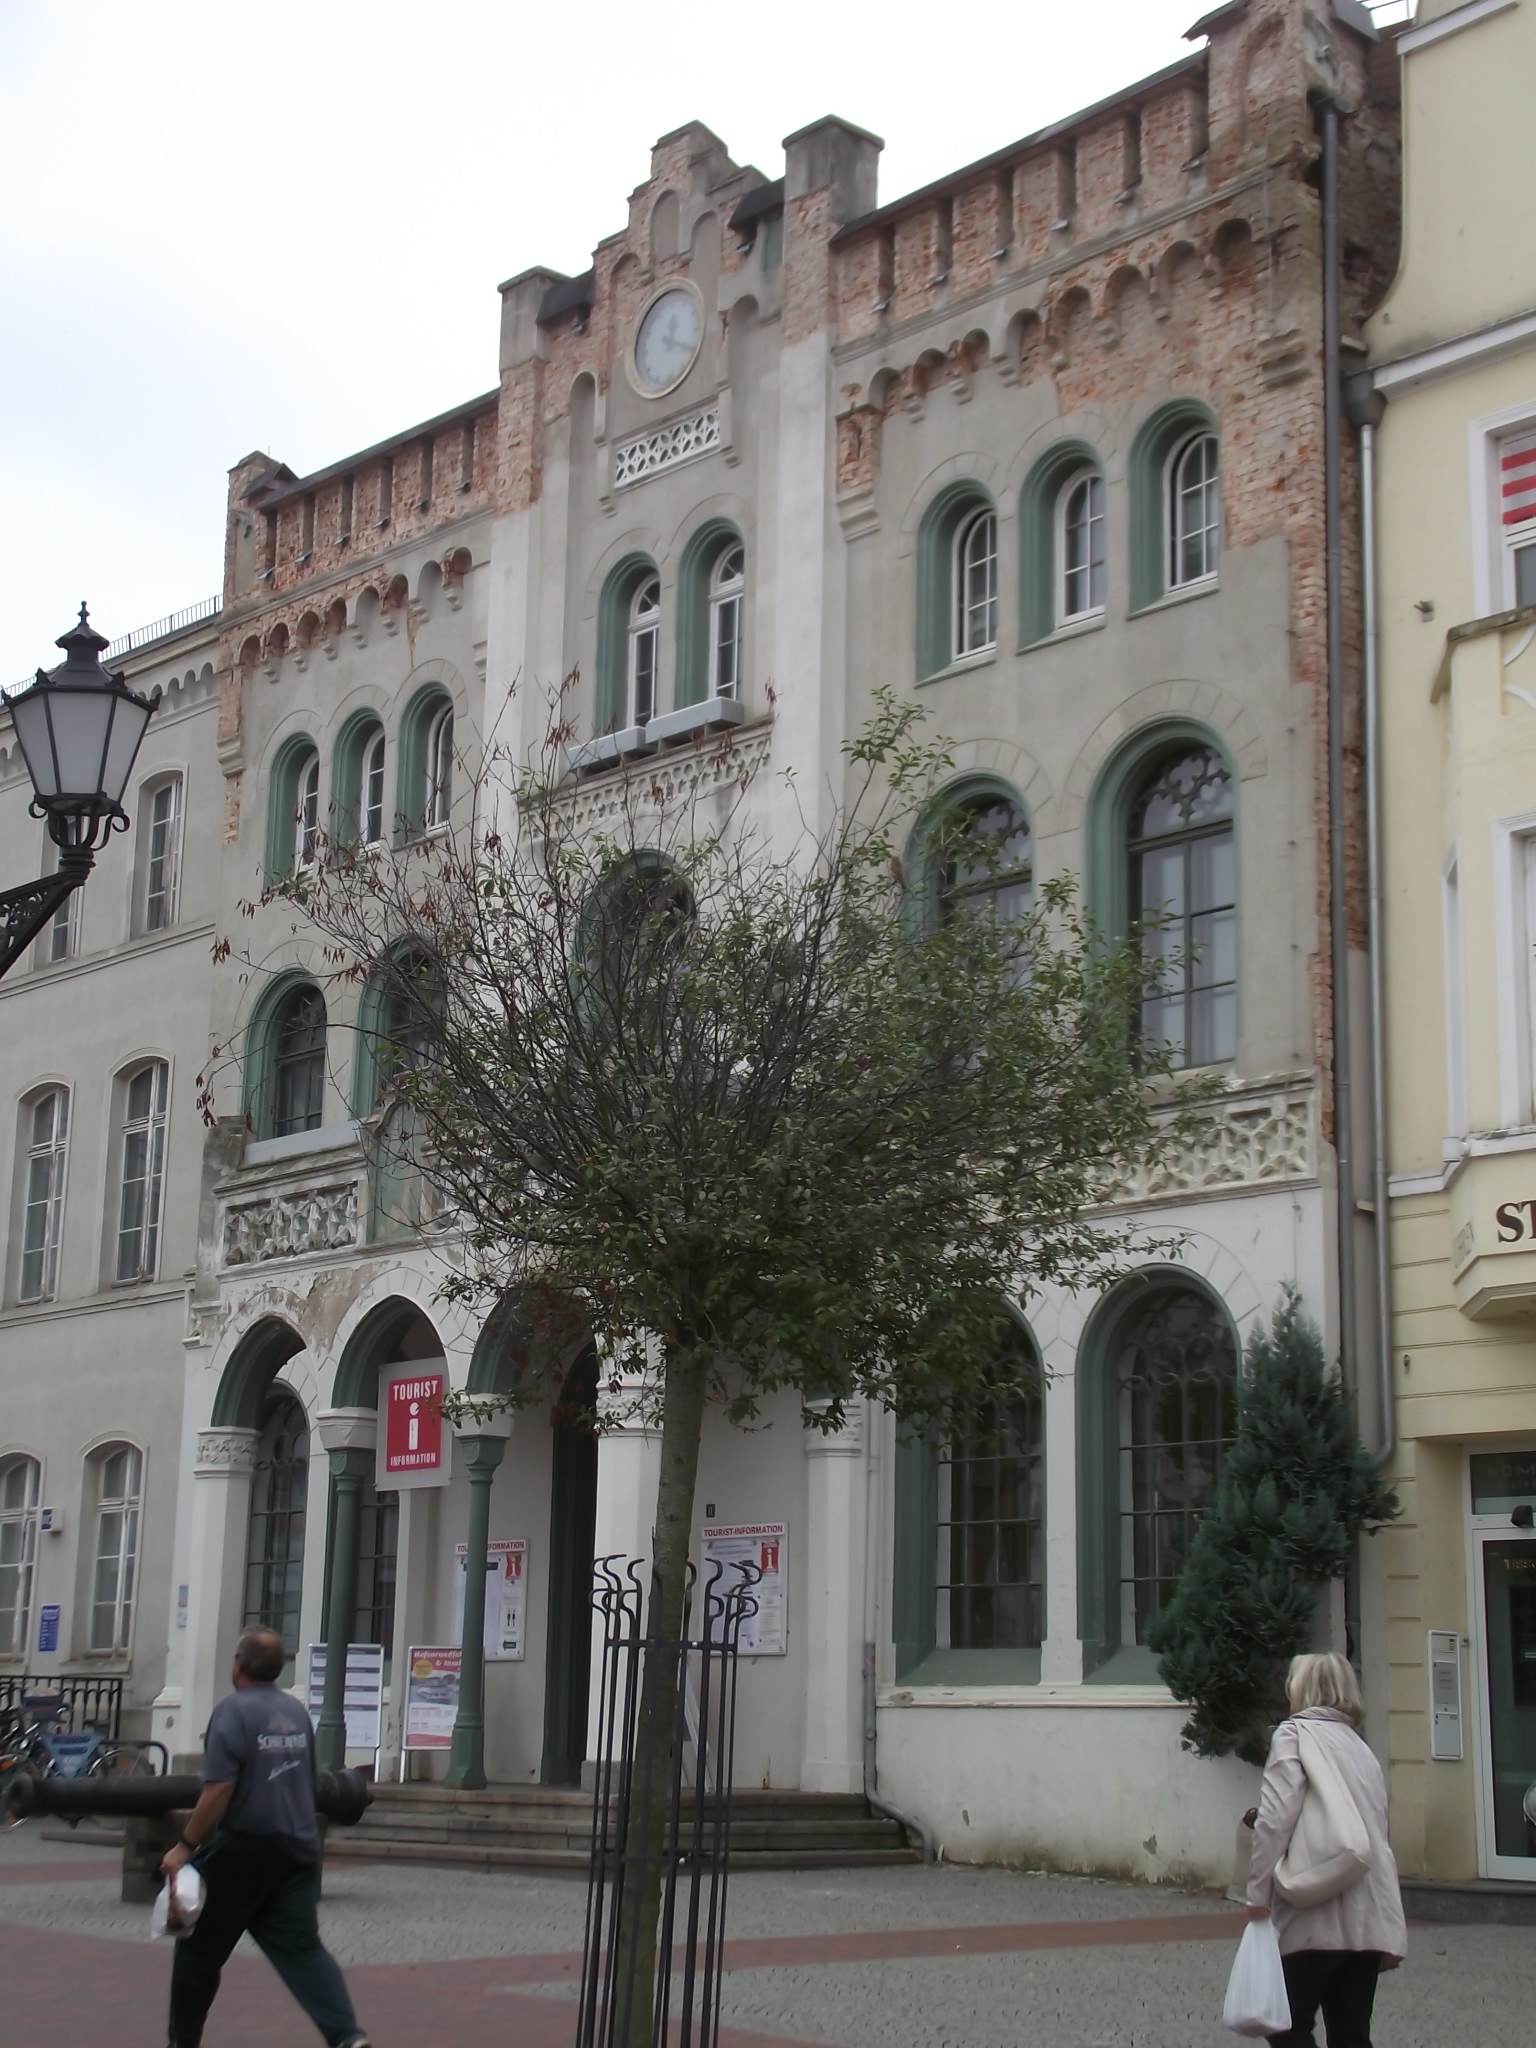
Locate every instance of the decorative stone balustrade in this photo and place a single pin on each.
(289, 1224)
(1249, 1141)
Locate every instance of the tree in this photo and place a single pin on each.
(755, 1116)
(1296, 1490)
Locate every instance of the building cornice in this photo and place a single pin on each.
(1425, 366)
(1451, 24)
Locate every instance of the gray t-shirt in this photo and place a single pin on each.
(264, 1741)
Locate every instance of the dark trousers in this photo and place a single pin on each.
(1340, 1980)
(258, 1884)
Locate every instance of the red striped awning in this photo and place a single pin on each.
(1517, 483)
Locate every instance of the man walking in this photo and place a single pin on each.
(254, 1836)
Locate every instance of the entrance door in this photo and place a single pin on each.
(1507, 1570)
(572, 1531)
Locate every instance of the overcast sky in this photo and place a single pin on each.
(281, 226)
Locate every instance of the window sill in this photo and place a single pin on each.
(324, 1138)
(1185, 594)
(1141, 1698)
(711, 714)
(948, 1669)
(986, 659)
(1074, 631)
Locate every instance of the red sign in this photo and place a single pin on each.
(415, 1449)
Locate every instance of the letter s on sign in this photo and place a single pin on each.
(1507, 1217)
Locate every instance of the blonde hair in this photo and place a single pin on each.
(1325, 1679)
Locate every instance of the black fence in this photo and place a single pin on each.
(70, 1705)
(657, 1893)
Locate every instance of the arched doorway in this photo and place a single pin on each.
(572, 1529)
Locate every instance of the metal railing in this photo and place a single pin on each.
(160, 629)
(82, 1702)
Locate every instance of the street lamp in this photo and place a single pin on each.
(79, 730)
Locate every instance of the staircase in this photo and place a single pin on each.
(531, 1827)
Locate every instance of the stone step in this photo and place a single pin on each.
(349, 1847)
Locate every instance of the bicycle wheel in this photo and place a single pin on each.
(122, 1760)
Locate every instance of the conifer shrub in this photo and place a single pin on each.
(1297, 1489)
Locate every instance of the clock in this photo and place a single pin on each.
(667, 340)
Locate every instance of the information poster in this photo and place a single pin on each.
(364, 1691)
(762, 1545)
(506, 1598)
(431, 1697)
(415, 1443)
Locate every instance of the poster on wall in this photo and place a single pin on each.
(763, 1545)
(416, 1442)
(506, 1597)
(364, 1693)
(431, 1696)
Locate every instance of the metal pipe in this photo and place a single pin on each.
(910, 1821)
(341, 1796)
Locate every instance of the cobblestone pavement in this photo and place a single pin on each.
(948, 1958)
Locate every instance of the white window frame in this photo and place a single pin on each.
(306, 810)
(149, 1130)
(23, 1518)
(162, 852)
(1093, 481)
(1478, 1529)
(973, 624)
(643, 632)
(127, 1508)
(370, 790)
(59, 939)
(1455, 1000)
(727, 614)
(1516, 537)
(437, 807)
(1173, 496)
(45, 1165)
(1488, 439)
(1514, 870)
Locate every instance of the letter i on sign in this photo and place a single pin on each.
(415, 1436)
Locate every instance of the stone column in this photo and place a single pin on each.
(221, 1511)
(834, 1598)
(348, 1436)
(479, 1454)
(628, 1475)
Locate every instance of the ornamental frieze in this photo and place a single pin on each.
(1247, 1143)
(290, 1225)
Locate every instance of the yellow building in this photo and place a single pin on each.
(1452, 1589)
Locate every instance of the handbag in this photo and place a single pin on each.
(1329, 1849)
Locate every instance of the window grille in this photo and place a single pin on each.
(120, 1475)
(644, 648)
(378, 1541)
(1082, 549)
(20, 1483)
(975, 585)
(299, 1063)
(726, 598)
(44, 1210)
(138, 1228)
(274, 1573)
(1183, 892)
(991, 1529)
(1194, 512)
(163, 857)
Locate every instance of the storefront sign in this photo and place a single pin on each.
(431, 1697)
(1515, 1220)
(416, 1443)
(764, 1546)
(506, 1598)
(364, 1695)
(47, 1629)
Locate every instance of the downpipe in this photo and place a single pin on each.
(920, 1830)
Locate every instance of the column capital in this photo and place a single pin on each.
(221, 1452)
(481, 1453)
(345, 1429)
(351, 1461)
(847, 1442)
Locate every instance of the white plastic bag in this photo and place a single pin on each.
(1256, 2001)
(177, 1905)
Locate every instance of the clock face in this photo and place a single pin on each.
(667, 341)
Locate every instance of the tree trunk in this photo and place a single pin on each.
(682, 1419)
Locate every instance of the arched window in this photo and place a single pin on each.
(991, 1529)
(370, 797)
(975, 585)
(298, 1063)
(727, 593)
(274, 1570)
(643, 651)
(986, 866)
(160, 822)
(46, 1127)
(119, 1486)
(437, 802)
(143, 1172)
(1183, 891)
(378, 1544)
(1194, 511)
(1080, 548)
(1174, 1376)
(306, 812)
(20, 1480)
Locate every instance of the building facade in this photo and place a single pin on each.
(1041, 444)
(1453, 351)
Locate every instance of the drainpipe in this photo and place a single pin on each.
(915, 1827)
(1364, 406)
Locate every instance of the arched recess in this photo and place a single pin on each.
(501, 1351)
(1109, 806)
(413, 797)
(259, 1075)
(942, 520)
(609, 707)
(283, 802)
(353, 743)
(698, 560)
(968, 1588)
(932, 843)
(253, 1365)
(393, 1332)
(1037, 534)
(1201, 1383)
(1156, 440)
(572, 1539)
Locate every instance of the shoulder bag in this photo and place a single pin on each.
(1330, 1849)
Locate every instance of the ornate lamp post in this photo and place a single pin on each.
(79, 730)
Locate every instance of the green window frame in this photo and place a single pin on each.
(693, 679)
(1159, 1360)
(953, 509)
(611, 698)
(970, 1544)
(351, 762)
(1004, 868)
(1166, 431)
(1039, 545)
(283, 802)
(261, 1041)
(411, 821)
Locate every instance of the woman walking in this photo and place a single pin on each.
(1333, 1952)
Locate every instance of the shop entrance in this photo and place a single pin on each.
(1504, 1511)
